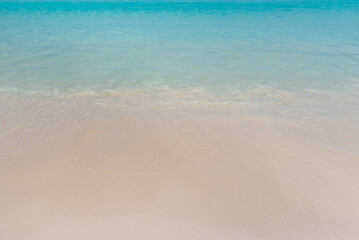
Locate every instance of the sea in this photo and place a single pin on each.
(279, 58)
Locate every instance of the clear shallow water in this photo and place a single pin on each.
(67, 62)
(233, 49)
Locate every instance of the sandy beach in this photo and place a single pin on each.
(144, 174)
(179, 120)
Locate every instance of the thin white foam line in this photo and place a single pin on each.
(38, 143)
(62, 106)
(45, 139)
(334, 148)
(11, 130)
(327, 146)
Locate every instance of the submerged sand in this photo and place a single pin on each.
(120, 174)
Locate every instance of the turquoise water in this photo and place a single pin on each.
(220, 47)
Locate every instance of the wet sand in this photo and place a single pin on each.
(144, 175)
